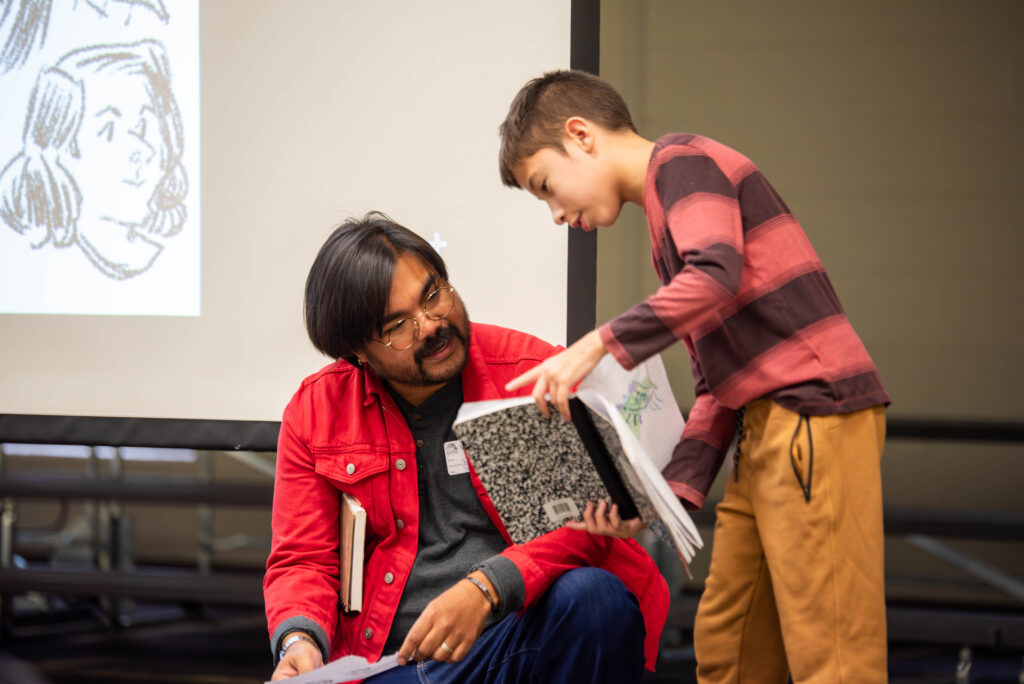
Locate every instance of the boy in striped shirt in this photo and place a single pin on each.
(796, 583)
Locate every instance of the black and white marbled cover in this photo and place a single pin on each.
(537, 471)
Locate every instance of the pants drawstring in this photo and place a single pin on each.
(739, 442)
(804, 420)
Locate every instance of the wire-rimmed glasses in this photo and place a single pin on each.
(403, 334)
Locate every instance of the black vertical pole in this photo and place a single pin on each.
(581, 293)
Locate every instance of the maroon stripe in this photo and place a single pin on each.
(821, 398)
(772, 318)
(720, 261)
(668, 262)
(682, 176)
(758, 201)
(641, 333)
(694, 463)
(700, 383)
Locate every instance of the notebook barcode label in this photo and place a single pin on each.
(560, 510)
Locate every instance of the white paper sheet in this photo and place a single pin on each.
(644, 400)
(346, 669)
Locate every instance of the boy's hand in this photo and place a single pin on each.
(559, 374)
(449, 625)
(602, 520)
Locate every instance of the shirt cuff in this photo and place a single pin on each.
(304, 624)
(507, 581)
(611, 343)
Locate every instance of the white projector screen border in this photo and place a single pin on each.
(261, 435)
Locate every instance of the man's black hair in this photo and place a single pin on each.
(349, 284)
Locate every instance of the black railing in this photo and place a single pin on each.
(940, 624)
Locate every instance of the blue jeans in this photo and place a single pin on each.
(586, 628)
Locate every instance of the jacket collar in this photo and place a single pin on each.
(476, 378)
(373, 386)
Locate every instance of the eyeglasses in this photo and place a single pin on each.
(405, 332)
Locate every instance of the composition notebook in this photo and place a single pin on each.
(540, 472)
(353, 540)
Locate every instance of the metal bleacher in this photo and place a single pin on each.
(107, 569)
(115, 575)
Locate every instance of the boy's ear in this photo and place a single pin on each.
(580, 132)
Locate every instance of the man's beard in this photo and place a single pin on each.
(421, 377)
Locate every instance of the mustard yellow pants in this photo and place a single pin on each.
(797, 581)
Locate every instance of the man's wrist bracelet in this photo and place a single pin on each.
(291, 639)
(487, 592)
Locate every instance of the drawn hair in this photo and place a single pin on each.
(37, 194)
(349, 284)
(157, 7)
(537, 115)
(27, 25)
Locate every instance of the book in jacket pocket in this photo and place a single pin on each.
(353, 540)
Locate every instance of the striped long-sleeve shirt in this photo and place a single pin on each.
(744, 290)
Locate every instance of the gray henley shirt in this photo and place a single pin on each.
(455, 533)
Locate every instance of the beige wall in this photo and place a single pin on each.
(893, 131)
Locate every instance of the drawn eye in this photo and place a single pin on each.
(107, 131)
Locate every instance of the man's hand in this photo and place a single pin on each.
(559, 374)
(450, 624)
(602, 520)
(300, 657)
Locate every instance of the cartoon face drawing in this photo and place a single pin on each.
(100, 165)
(120, 148)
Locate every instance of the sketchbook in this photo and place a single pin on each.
(353, 540)
(541, 472)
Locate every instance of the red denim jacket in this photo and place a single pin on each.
(342, 432)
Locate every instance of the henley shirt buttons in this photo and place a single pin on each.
(368, 633)
(388, 578)
(419, 442)
(419, 416)
(350, 468)
(400, 464)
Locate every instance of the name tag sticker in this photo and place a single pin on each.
(455, 457)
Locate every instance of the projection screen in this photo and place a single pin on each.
(171, 167)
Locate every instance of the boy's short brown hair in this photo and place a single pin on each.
(540, 109)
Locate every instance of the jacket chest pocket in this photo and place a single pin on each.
(361, 473)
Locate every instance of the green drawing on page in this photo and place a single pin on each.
(641, 397)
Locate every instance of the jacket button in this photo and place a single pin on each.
(400, 464)
(350, 468)
(399, 523)
(388, 578)
(368, 633)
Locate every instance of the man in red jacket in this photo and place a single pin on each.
(443, 585)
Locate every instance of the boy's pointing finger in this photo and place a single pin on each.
(523, 380)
